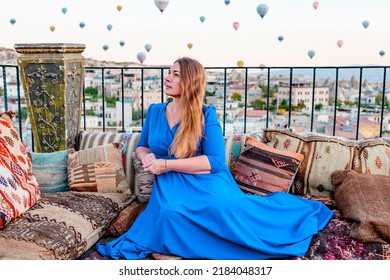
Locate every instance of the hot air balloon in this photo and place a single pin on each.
(280, 38)
(262, 10)
(148, 47)
(382, 53)
(119, 8)
(365, 23)
(12, 21)
(227, 2)
(236, 25)
(202, 18)
(109, 27)
(141, 57)
(316, 4)
(105, 47)
(240, 63)
(311, 53)
(161, 4)
(52, 28)
(64, 10)
(82, 24)
(122, 43)
(340, 43)
(190, 45)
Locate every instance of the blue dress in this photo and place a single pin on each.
(208, 216)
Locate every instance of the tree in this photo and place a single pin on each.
(301, 105)
(318, 107)
(136, 114)
(110, 101)
(23, 113)
(236, 96)
(283, 104)
(378, 100)
(259, 104)
(272, 90)
(90, 112)
(350, 103)
(92, 91)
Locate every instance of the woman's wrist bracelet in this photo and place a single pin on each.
(166, 166)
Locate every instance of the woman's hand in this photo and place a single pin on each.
(147, 160)
(157, 166)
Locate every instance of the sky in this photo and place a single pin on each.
(215, 41)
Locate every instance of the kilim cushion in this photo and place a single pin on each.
(50, 169)
(61, 226)
(18, 186)
(98, 169)
(261, 169)
(323, 155)
(234, 145)
(364, 199)
(126, 218)
(92, 139)
(374, 156)
(143, 180)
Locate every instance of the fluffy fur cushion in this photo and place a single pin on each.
(323, 155)
(261, 169)
(98, 169)
(18, 187)
(365, 200)
(61, 226)
(50, 169)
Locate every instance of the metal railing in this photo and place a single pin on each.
(265, 76)
(4, 92)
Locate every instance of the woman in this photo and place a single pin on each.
(196, 210)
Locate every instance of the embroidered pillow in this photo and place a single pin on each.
(143, 180)
(374, 156)
(322, 156)
(364, 199)
(18, 187)
(261, 169)
(98, 169)
(50, 169)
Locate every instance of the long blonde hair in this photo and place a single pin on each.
(193, 88)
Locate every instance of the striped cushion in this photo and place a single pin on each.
(50, 170)
(262, 170)
(234, 145)
(92, 139)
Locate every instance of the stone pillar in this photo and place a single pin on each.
(53, 77)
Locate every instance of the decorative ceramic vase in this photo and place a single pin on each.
(53, 77)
